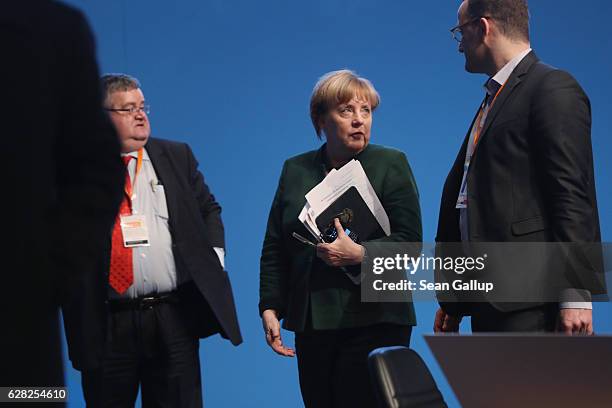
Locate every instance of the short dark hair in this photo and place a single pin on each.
(118, 82)
(512, 16)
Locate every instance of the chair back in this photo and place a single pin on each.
(402, 380)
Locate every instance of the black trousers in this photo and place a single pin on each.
(543, 318)
(154, 348)
(332, 364)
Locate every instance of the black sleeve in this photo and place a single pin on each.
(208, 206)
(274, 265)
(562, 116)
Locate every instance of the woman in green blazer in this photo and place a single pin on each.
(308, 288)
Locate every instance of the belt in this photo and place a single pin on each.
(143, 302)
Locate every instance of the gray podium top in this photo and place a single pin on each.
(526, 370)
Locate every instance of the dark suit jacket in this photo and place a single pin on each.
(196, 227)
(531, 175)
(292, 277)
(62, 185)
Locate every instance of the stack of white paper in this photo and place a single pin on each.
(336, 183)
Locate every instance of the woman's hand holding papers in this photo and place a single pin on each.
(342, 252)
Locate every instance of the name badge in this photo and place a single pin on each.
(134, 231)
(462, 198)
(461, 202)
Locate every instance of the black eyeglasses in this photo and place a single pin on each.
(457, 31)
(131, 110)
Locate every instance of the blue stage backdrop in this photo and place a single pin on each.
(233, 79)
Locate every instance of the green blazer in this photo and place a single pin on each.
(299, 285)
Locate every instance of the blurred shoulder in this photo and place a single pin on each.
(63, 9)
(41, 16)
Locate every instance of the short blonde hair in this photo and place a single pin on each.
(338, 87)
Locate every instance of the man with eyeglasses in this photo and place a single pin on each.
(523, 174)
(167, 287)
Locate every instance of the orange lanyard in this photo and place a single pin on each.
(129, 188)
(479, 124)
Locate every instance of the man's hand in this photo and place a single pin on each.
(575, 321)
(445, 323)
(271, 326)
(342, 252)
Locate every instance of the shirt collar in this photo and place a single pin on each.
(134, 154)
(495, 82)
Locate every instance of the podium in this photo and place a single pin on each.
(526, 370)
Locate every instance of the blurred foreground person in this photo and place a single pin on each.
(61, 188)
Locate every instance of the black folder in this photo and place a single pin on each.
(363, 223)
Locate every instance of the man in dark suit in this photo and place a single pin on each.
(60, 168)
(525, 170)
(166, 281)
